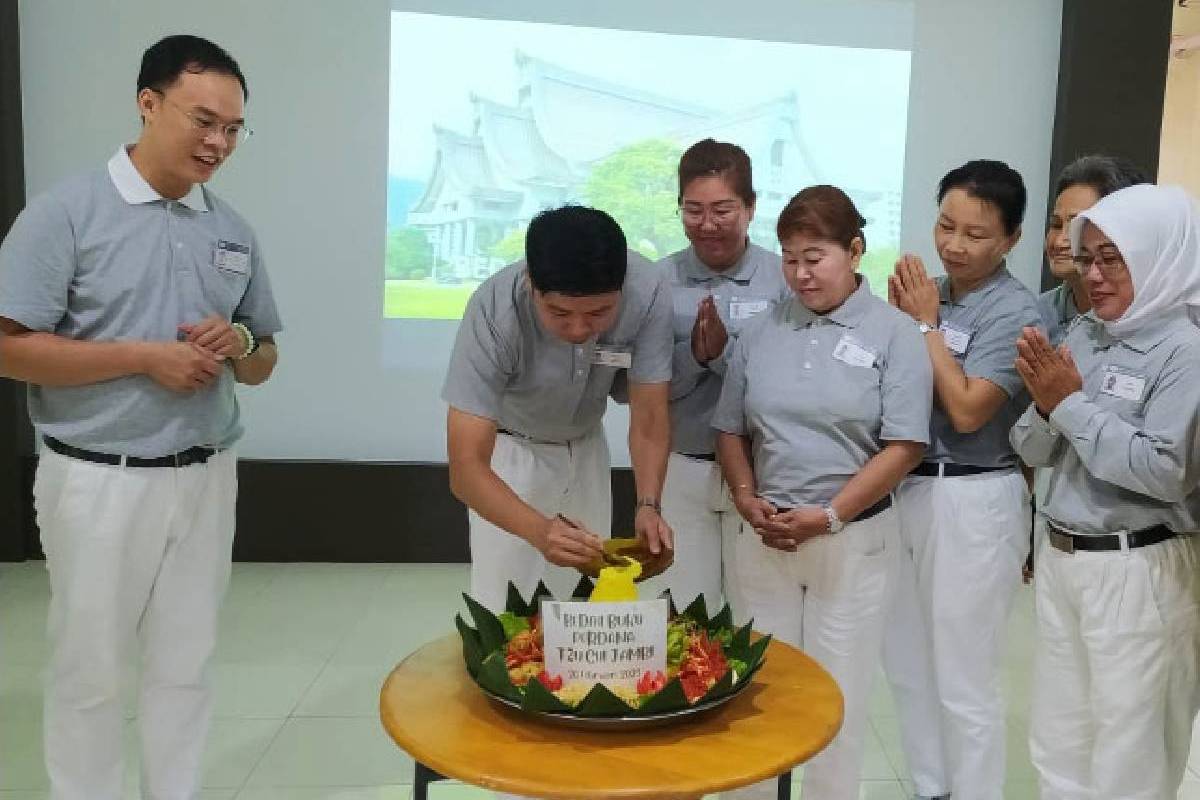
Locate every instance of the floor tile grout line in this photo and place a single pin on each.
(292, 713)
(898, 765)
(262, 754)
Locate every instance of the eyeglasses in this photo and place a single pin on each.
(205, 125)
(721, 215)
(1107, 258)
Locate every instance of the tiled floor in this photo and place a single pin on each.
(303, 651)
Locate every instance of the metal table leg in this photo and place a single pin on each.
(423, 776)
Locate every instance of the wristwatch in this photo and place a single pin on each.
(925, 327)
(648, 502)
(835, 522)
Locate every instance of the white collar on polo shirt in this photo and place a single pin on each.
(134, 188)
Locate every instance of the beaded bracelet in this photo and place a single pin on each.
(251, 342)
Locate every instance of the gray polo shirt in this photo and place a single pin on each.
(1125, 451)
(747, 288)
(819, 395)
(103, 257)
(984, 326)
(1057, 307)
(507, 368)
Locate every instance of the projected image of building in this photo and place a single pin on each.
(539, 152)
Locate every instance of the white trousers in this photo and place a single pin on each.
(965, 540)
(697, 505)
(569, 479)
(135, 555)
(830, 599)
(1115, 680)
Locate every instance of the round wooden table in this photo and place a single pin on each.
(433, 710)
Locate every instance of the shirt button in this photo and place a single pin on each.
(814, 341)
(179, 245)
(807, 365)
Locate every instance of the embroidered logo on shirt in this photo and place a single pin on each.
(955, 338)
(851, 352)
(1123, 385)
(231, 257)
(740, 309)
(613, 356)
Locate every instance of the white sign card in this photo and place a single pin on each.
(609, 643)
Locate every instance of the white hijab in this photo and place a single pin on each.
(1157, 230)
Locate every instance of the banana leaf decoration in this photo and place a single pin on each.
(484, 644)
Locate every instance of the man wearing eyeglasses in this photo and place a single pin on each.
(131, 301)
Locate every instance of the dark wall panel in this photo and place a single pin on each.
(345, 511)
(15, 440)
(1111, 85)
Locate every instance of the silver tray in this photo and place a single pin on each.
(630, 723)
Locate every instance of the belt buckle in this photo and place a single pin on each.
(1061, 541)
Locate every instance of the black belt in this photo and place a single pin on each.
(934, 469)
(700, 456)
(1068, 541)
(184, 458)
(878, 508)
(526, 437)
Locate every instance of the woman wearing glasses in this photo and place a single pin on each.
(718, 283)
(1080, 185)
(964, 511)
(825, 409)
(1116, 416)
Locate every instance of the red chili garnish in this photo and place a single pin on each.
(703, 665)
(651, 682)
(553, 683)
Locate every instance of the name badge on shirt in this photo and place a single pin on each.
(745, 309)
(611, 355)
(1119, 384)
(232, 257)
(955, 338)
(851, 352)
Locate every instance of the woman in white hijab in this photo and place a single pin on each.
(1116, 416)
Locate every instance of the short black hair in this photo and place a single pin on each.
(723, 159)
(168, 58)
(1105, 174)
(575, 250)
(993, 182)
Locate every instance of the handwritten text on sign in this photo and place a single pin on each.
(609, 643)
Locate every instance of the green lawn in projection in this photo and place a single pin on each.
(635, 184)
(877, 265)
(425, 299)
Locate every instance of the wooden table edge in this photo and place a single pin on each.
(449, 769)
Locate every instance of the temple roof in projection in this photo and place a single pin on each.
(563, 122)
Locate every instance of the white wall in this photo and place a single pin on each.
(984, 83)
(312, 180)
